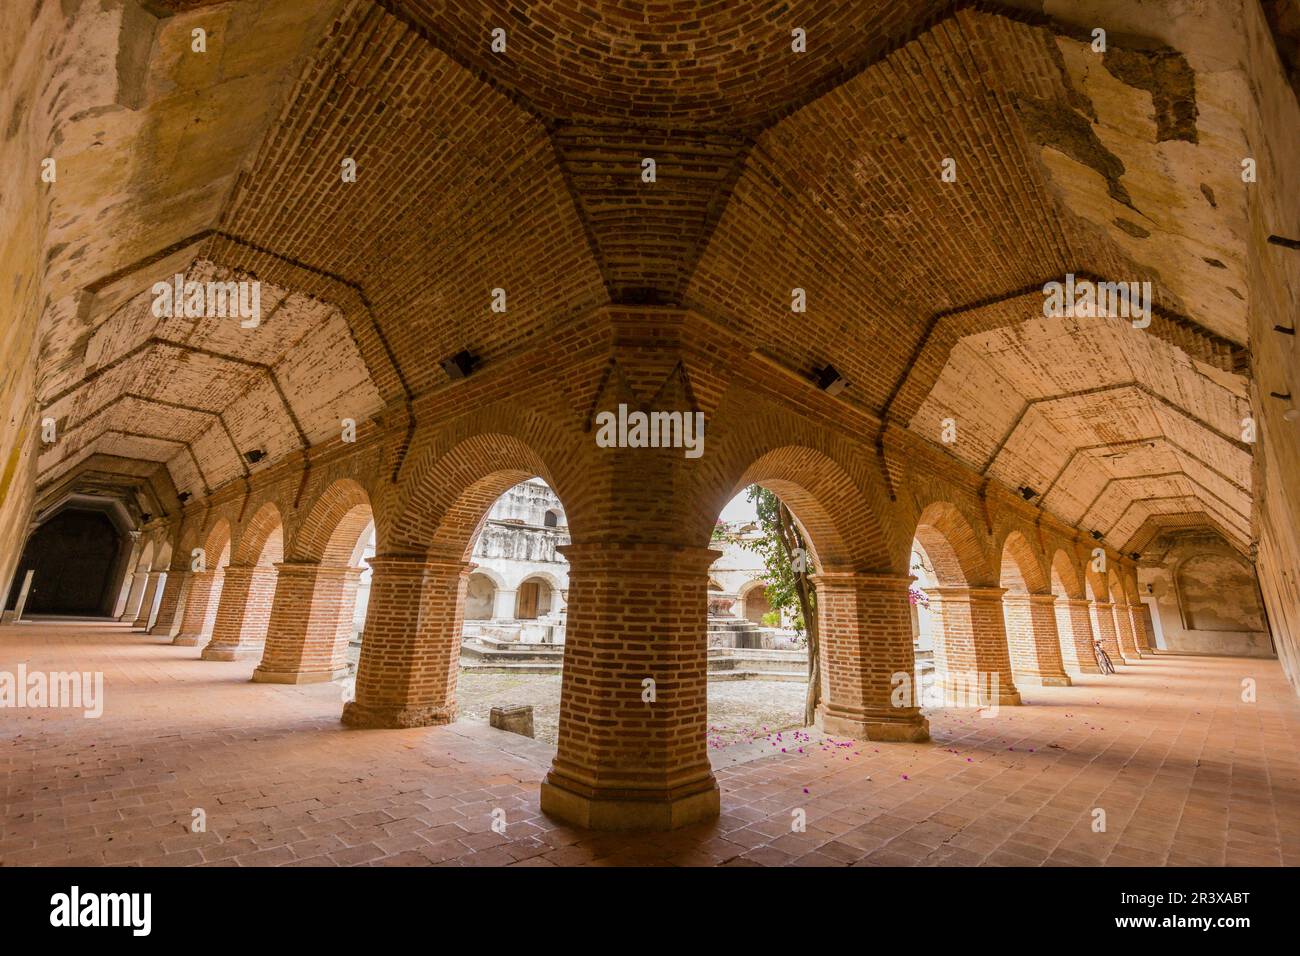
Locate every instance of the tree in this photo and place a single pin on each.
(787, 568)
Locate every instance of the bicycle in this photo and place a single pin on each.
(1103, 659)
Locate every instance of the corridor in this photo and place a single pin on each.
(1186, 772)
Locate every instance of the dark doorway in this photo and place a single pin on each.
(73, 555)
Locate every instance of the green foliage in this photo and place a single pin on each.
(780, 576)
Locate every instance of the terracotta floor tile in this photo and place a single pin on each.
(1186, 772)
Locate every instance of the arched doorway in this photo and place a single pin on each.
(248, 588)
(465, 516)
(534, 599)
(755, 604)
(313, 630)
(1029, 615)
(858, 601)
(208, 562)
(513, 635)
(480, 597)
(1073, 616)
(72, 557)
(971, 655)
(758, 672)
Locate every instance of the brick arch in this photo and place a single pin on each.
(261, 541)
(445, 510)
(1114, 585)
(164, 557)
(1129, 581)
(332, 530)
(146, 561)
(1021, 568)
(842, 529)
(823, 481)
(218, 543)
(1065, 578)
(191, 535)
(444, 462)
(1094, 583)
(955, 549)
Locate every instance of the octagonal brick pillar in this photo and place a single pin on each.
(632, 751)
(410, 654)
(134, 597)
(311, 624)
(868, 663)
(200, 608)
(175, 590)
(243, 613)
(1124, 631)
(1106, 630)
(153, 581)
(1075, 626)
(1141, 633)
(1034, 643)
(971, 656)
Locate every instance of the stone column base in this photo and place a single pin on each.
(229, 652)
(599, 809)
(358, 715)
(189, 640)
(298, 677)
(911, 729)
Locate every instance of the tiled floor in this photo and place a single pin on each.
(1185, 771)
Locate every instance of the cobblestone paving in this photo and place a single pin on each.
(739, 711)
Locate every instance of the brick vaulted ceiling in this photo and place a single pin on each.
(522, 170)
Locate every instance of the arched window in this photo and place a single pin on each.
(552, 520)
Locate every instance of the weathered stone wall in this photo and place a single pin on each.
(1274, 132)
(24, 137)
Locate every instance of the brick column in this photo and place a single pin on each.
(1124, 627)
(175, 588)
(1075, 626)
(242, 614)
(200, 608)
(1033, 639)
(865, 630)
(971, 657)
(1106, 632)
(1141, 633)
(410, 654)
(146, 601)
(122, 600)
(311, 623)
(134, 597)
(637, 621)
